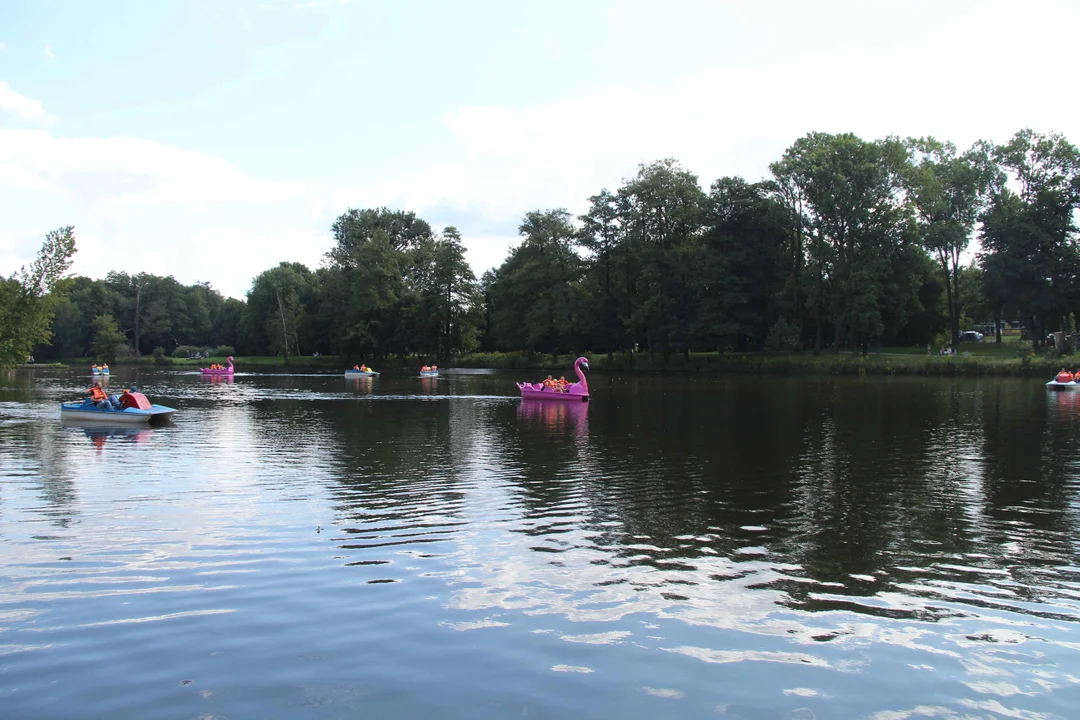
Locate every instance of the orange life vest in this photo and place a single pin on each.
(97, 393)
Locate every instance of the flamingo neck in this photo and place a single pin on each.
(581, 375)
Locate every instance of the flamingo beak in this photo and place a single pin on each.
(586, 364)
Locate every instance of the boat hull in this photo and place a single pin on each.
(429, 373)
(207, 371)
(83, 412)
(95, 372)
(360, 374)
(1063, 385)
(531, 393)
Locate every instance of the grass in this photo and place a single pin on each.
(983, 360)
(986, 358)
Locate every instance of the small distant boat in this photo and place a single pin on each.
(135, 408)
(99, 369)
(575, 391)
(429, 373)
(360, 373)
(220, 371)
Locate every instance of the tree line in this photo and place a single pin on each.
(848, 244)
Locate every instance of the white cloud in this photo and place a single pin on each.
(22, 107)
(112, 171)
(49, 53)
(736, 120)
(3, 47)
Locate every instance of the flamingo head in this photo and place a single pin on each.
(583, 362)
(228, 359)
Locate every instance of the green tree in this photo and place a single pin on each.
(279, 305)
(739, 265)
(947, 191)
(1030, 254)
(403, 230)
(847, 193)
(531, 295)
(29, 297)
(454, 298)
(663, 208)
(107, 338)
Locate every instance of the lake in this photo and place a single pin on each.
(310, 546)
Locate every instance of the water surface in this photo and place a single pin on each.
(307, 546)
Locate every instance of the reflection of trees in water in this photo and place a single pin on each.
(1031, 458)
(35, 450)
(406, 457)
(796, 485)
(883, 480)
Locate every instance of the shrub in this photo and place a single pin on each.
(782, 337)
(223, 351)
(185, 351)
(160, 358)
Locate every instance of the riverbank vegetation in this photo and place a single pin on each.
(848, 247)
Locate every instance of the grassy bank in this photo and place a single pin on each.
(990, 361)
(975, 359)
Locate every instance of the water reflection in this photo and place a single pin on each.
(217, 379)
(556, 415)
(675, 546)
(362, 385)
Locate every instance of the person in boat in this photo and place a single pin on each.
(105, 366)
(563, 385)
(364, 368)
(425, 369)
(434, 367)
(98, 397)
(549, 384)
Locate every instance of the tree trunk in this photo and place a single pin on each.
(954, 318)
(284, 330)
(138, 300)
(956, 305)
(997, 326)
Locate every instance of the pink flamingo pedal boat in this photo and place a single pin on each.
(223, 371)
(576, 391)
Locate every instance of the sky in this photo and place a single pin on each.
(212, 140)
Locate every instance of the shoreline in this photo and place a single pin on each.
(885, 363)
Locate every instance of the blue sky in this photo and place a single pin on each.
(212, 140)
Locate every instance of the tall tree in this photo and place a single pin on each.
(663, 212)
(947, 189)
(1029, 236)
(107, 338)
(29, 297)
(353, 228)
(848, 192)
(740, 264)
(531, 294)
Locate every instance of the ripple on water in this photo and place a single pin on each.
(300, 544)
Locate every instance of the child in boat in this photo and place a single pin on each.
(563, 385)
(549, 383)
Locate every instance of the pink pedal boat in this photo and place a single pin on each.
(577, 391)
(223, 371)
